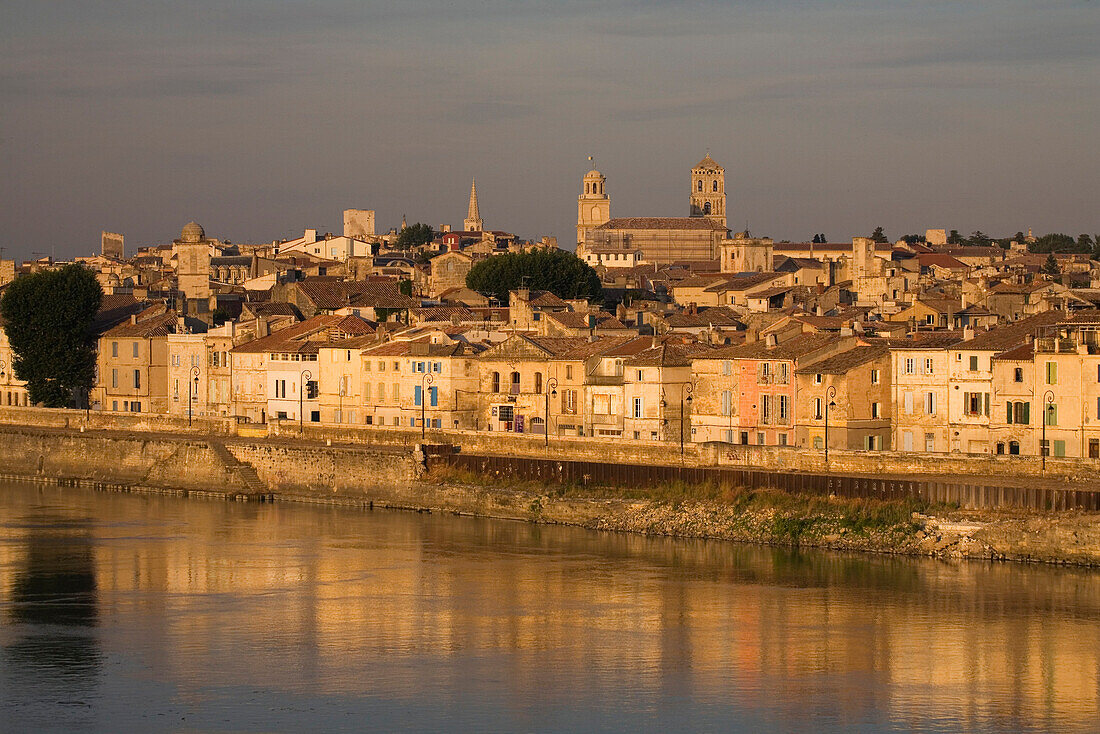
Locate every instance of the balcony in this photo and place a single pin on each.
(605, 380)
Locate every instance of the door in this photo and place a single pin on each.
(1094, 448)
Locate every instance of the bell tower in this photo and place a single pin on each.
(593, 205)
(708, 190)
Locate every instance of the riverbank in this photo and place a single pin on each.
(387, 477)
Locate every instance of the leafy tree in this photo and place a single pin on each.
(414, 235)
(879, 236)
(1084, 243)
(979, 238)
(405, 287)
(558, 271)
(1054, 243)
(954, 238)
(819, 239)
(1050, 267)
(48, 318)
(914, 239)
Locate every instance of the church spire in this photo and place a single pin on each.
(473, 221)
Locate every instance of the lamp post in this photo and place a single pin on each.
(1048, 404)
(829, 395)
(425, 381)
(340, 409)
(687, 388)
(551, 389)
(190, 399)
(305, 376)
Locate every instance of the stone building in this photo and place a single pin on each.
(132, 365)
(708, 191)
(193, 263)
(112, 245)
(854, 386)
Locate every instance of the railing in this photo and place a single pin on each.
(605, 379)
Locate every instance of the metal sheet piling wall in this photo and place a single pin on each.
(966, 494)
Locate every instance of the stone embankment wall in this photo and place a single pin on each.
(768, 458)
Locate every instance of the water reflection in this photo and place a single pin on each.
(271, 614)
(51, 653)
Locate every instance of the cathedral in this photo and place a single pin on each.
(662, 240)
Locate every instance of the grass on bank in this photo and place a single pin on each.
(782, 516)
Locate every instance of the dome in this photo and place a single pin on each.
(593, 174)
(192, 232)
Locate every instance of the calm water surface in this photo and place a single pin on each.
(122, 613)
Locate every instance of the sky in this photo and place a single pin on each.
(262, 119)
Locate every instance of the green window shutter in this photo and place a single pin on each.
(1027, 414)
(1059, 448)
(985, 404)
(1008, 412)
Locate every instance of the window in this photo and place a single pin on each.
(928, 366)
(876, 410)
(760, 438)
(569, 401)
(929, 442)
(538, 382)
(433, 396)
(974, 363)
(907, 401)
(818, 442)
(874, 377)
(280, 388)
(1051, 414)
(114, 378)
(930, 403)
(496, 382)
(396, 366)
(569, 372)
(637, 405)
(515, 383)
(136, 353)
(114, 349)
(381, 366)
(396, 392)
(1018, 412)
(1052, 373)
(1059, 448)
(381, 392)
(817, 408)
(782, 439)
(727, 402)
(817, 379)
(766, 409)
(910, 366)
(727, 368)
(906, 440)
(784, 373)
(784, 408)
(417, 395)
(137, 379)
(698, 187)
(1018, 374)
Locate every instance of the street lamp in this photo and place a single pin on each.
(829, 395)
(1048, 408)
(425, 381)
(551, 389)
(305, 376)
(686, 389)
(340, 410)
(195, 377)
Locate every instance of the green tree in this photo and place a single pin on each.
(48, 318)
(1050, 267)
(558, 271)
(879, 236)
(405, 287)
(1053, 243)
(954, 238)
(414, 235)
(979, 239)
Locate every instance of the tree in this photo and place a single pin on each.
(414, 235)
(954, 238)
(558, 271)
(48, 318)
(1050, 267)
(979, 239)
(1053, 243)
(914, 239)
(879, 236)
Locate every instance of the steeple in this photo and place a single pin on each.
(473, 221)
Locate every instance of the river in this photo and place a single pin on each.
(147, 613)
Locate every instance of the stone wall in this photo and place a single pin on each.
(773, 458)
(340, 470)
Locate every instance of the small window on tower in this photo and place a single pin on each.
(715, 185)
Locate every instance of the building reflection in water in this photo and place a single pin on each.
(538, 621)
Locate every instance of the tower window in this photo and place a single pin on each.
(699, 187)
(706, 208)
(715, 185)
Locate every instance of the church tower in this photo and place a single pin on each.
(473, 222)
(593, 205)
(708, 190)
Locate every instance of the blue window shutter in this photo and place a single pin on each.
(433, 395)
(416, 395)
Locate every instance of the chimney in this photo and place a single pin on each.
(310, 236)
(968, 333)
(818, 310)
(133, 318)
(772, 341)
